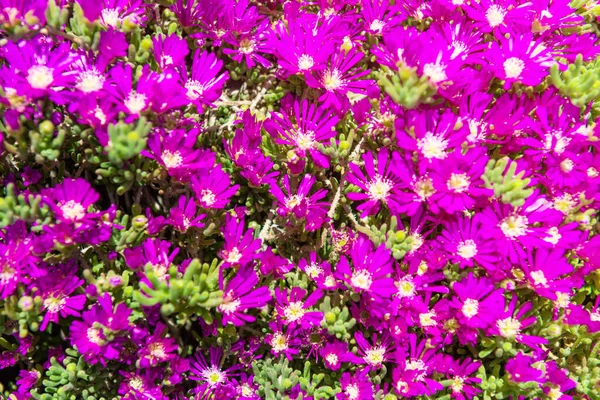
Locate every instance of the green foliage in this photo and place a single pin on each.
(508, 187)
(186, 295)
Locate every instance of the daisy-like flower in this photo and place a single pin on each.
(294, 310)
(376, 353)
(548, 272)
(70, 201)
(210, 373)
(467, 243)
(114, 13)
(336, 353)
(157, 348)
(175, 152)
(170, 51)
(153, 252)
(379, 16)
(140, 384)
(301, 204)
(371, 270)
(98, 337)
(240, 295)
(355, 387)
(511, 322)
(56, 292)
(499, 15)
(379, 187)
(248, 47)
(27, 12)
(205, 83)
(340, 80)
(240, 247)
(521, 369)
(457, 182)
(302, 45)
(304, 126)
(520, 59)
(478, 302)
(37, 68)
(213, 190)
(133, 101)
(16, 259)
(462, 383)
(184, 215)
(283, 341)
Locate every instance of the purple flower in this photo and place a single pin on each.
(303, 126)
(99, 336)
(379, 187)
(70, 201)
(519, 59)
(478, 302)
(357, 386)
(302, 205)
(36, 68)
(340, 79)
(157, 348)
(56, 292)
(211, 375)
(184, 215)
(520, 369)
(114, 13)
(175, 152)
(240, 247)
(240, 295)
(153, 252)
(374, 353)
(294, 310)
(336, 353)
(170, 51)
(466, 243)
(204, 85)
(214, 189)
(371, 270)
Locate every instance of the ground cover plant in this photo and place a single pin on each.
(303, 199)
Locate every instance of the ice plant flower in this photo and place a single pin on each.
(301, 204)
(214, 190)
(294, 309)
(98, 337)
(240, 295)
(304, 126)
(240, 247)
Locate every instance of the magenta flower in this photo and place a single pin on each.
(170, 51)
(502, 15)
(35, 68)
(56, 292)
(154, 252)
(371, 270)
(373, 352)
(214, 189)
(357, 386)
(520, 369)
(184, 215)
(113, 13)
(547, 272)
(175, 152)
(478, 303)
(303, 126)
(302, 45)
(70, 201)
(294, 310)
(302, 205)
(466, 242)
(240, 247)
(204, 85)
(27, 12)
(240, 295)
(157, 348)
(519, 59)
(99, 337)
(336, 353)
(340, 79)
(379, 187)
(283, 341)
(511, 322)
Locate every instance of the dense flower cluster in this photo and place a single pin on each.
(305, 199)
